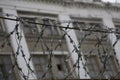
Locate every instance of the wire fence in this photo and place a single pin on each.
(100, 45)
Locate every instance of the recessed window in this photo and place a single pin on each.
(59, 67)
(6, 70)
(93, 66)
(29, 26)
(1, 73)
(87, 24)
(40, 63)
(111, 67)
(43, 33)
(51, 28)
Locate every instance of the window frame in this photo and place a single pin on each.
(56, 54)
(86, 22)
(97, 61)
(39, 17)
(52, 28)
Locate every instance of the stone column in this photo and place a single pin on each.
(74, 55)
(10, 25)
(112, 37)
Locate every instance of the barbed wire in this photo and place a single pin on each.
(103, 54)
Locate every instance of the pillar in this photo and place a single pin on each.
(10, 25)
(74, 55)
(112, 37)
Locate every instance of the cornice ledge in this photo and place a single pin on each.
(97, 5)
(72, 3)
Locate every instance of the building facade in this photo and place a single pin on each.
(59, 39)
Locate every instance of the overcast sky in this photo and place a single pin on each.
(111, 0)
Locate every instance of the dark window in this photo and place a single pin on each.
(62, 66)
(6, 71)
(59, 67)
(1, 72)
